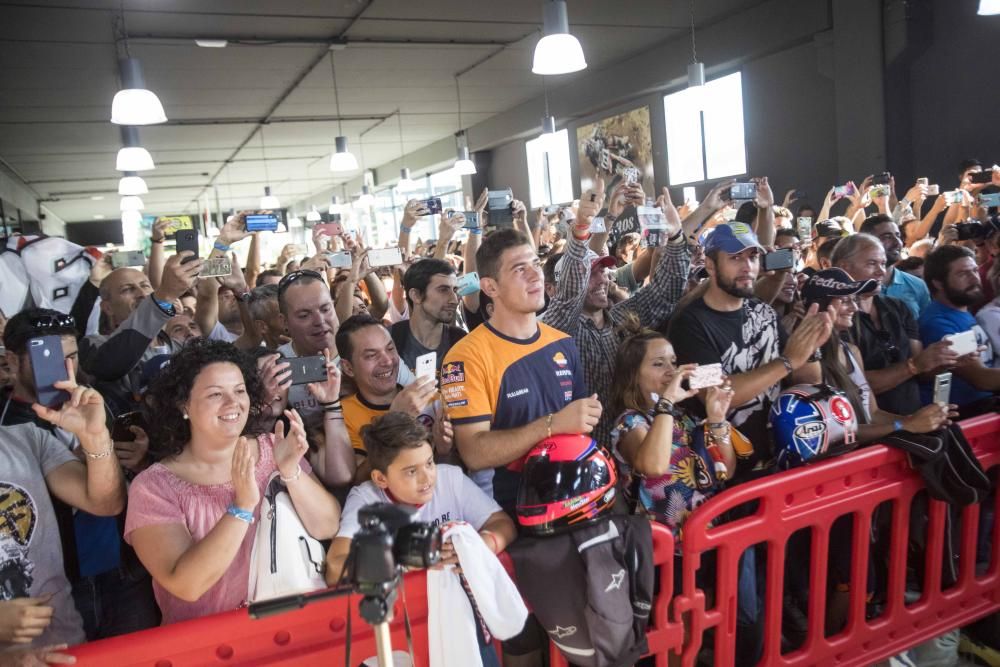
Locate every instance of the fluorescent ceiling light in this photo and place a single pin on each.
(98, 216)
(96, 197)
(130, 184)
(211, 43)
(342, 159)
(134, 104)
(989, 7)
(131, 203)
(269, 201)
(558, 52)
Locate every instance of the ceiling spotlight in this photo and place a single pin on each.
(131, 203)
(131, 184)
(134, 104)
(269, 201)
(557, 52)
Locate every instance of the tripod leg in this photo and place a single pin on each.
(383, 644)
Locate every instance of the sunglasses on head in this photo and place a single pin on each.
(290, 278)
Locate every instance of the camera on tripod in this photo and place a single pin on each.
(387, 541)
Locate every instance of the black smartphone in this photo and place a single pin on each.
(433, 204)
(985, 176)
(743, 191)
(120, 430)
(307, 369)
(48, 366)
(778, 260)
(881, 179)
(500, 204)
(187, 239)
(261, 222)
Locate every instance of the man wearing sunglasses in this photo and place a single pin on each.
(885, 331)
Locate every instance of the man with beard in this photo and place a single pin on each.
(728, 325)
(430, 289)
(898, 284)
(953, 278)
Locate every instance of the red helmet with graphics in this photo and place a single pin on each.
(567, 481)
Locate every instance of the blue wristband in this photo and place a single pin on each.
(898, 425)
(220, 246)
(241, 514)
(476, 230)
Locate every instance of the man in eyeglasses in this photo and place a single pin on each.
(886, 331)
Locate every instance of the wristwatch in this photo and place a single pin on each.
(244, 297)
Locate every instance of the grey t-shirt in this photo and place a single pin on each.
(31, 559)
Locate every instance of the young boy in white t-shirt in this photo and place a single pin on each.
(404, 473)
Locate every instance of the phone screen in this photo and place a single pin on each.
(261, 222)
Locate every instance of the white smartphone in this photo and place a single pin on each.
(468, 284)
(339, 260)
(942, 388)
(384, 257)
(709, 375)
(597, 225)
(426, 365)
(963, 342)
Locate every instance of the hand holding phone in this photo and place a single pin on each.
(306, 370)
(187, 239)
(48, 366)
(426, 365)
(709, 375)
(942, 388)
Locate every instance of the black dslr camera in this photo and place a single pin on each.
(387, 541)
(972, 230)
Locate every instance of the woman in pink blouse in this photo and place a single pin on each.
(191, 516)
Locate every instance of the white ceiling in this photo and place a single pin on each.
(59, 75)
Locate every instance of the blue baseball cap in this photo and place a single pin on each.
(732, 238)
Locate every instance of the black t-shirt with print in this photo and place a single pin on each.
(741, 340)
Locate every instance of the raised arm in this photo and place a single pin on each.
(157, 258)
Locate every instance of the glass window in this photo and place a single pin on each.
(705, 137)
(549, 177)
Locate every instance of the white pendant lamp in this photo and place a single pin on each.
(269, 201)
(366, 200)
(335, 206)
(132, 184)
(134, 104)
(132, 156)
(342, 159)
(131, 217)
(463, 165)
(131, 203)
(989, 7)
(313, 215)
(557, 52)
(405, 182)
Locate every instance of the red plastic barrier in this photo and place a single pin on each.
(811, 497)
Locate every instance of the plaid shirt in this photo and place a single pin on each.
(653, 304)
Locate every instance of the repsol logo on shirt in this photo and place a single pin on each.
(518, 392)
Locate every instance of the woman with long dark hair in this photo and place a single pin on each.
(191, 515)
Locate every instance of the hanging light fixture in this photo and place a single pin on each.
(132, 184)
(696, 70)
(335, 206)
(989, 7)
(313, 215)
(132, 156)
(134, 104)
(557, 52)
(405, 182)
(464, 166)
(131, 203)
(367, 199)
(548, 135)
(131, 217)
(268, 201)
(342, 159)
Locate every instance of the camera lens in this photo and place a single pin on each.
(417, 545)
